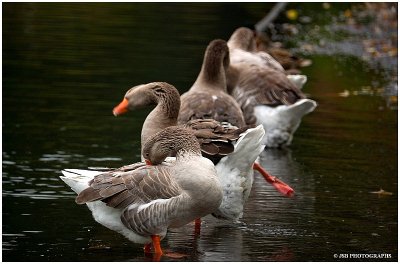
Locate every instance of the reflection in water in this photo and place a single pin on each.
(269, 223)
(222, 240)
(276, 220)
(218, 239)
(279, 162)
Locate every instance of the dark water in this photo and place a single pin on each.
(65, 66)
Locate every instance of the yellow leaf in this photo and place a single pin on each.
(347, 13)
(292, 14)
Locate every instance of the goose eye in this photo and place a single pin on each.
(159, 90)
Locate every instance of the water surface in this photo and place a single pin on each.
(65, 66)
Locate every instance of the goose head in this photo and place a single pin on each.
(243, 38)
(150, 94)
(166, 98)
(171, 141)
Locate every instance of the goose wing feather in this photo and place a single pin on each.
(219, 106)
(215, 138)
(141, 185)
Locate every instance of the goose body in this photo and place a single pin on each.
(107, 216)
(145, 201)
(232, 150)
(208, 96)
(260, 58)
(264, 92)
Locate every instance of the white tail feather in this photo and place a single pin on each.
(235, 173)
(282, 121)
(298, 79)
(299, 109)
(248, 147)
(78, 180)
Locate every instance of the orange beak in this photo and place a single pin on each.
(121, 108)
(148, 162)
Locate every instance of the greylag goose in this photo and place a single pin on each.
(143, 202)
(164, 96)
(208, 97)
(233, 151)
(264, 92)
(244, 48)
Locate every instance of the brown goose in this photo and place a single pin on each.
(264, 92)
(243, 49)
(208, 97)
(214, 138)
(144, 202)
(244, 45)
(163, 96)
(232, 151)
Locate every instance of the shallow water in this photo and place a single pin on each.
(65, 66)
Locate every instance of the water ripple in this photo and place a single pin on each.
(105, 159)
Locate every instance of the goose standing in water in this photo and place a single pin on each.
(208, 98)
(142, 203)
(217, 142)
(233, 152)
(264, 92)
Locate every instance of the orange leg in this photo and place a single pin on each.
(197, 226)
(278, 184)
(158, 252)
(156, 244)
(147, 248)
